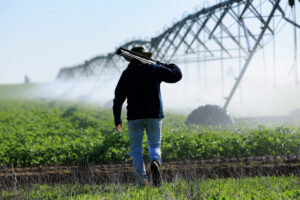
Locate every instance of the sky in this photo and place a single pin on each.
(37, 38)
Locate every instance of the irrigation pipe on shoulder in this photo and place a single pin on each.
(134, 55)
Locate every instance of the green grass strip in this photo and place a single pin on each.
(223, 189)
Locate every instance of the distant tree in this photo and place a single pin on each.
(26, 80)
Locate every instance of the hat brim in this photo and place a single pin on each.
(147, 54)
(141, 51)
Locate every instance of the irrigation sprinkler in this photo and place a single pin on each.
(229, 31)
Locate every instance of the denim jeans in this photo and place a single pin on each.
(136, 132)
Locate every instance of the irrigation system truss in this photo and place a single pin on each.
(231, 29)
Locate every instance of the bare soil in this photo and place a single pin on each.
(123, 172)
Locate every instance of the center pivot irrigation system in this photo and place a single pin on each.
(230, 30)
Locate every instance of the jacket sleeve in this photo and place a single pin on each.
(170, 73)
(120, 96)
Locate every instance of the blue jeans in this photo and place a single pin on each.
(136, 132)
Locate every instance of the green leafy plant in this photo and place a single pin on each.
(34, 133)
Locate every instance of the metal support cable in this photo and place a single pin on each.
(182, 40)
(245, 9)
(294, 66)
(222, 26)
(291, 22)
(239, 59)
(246, 35)
(205, 66)
(263, 50)
(250, 56)
(217, 41)
(241, 23)
(274, 58)
(200, 42)
(222, 15)
(198, 72)
(172, 41)
(200, 29)
(222, 73)
(166, 38)
(220, 20)
(259, 16)
(279, 7)
(295, 47)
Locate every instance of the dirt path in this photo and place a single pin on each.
(214, 168)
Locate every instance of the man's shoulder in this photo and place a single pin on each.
(132, 66)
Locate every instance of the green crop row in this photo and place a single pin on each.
(40, 132)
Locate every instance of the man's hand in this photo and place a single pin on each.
(162, 64)
(119, 127)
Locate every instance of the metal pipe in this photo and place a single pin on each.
(134, 55)
(238, 80)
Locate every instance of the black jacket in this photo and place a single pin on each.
(140, 84)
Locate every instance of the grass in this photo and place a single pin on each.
(229, 188)
(19, 91)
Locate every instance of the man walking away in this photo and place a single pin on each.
(140, 84)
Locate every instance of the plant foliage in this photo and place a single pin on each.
(34, 133)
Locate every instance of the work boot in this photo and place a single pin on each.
(156, 178)
(143, 183)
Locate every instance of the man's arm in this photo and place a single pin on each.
(170, 73)
(120, 96)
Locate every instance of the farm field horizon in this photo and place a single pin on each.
(211, 90)
(38, 132)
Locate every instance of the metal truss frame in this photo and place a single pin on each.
(224, 31)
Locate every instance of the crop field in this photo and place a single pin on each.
(46, 134)
(34, 133)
